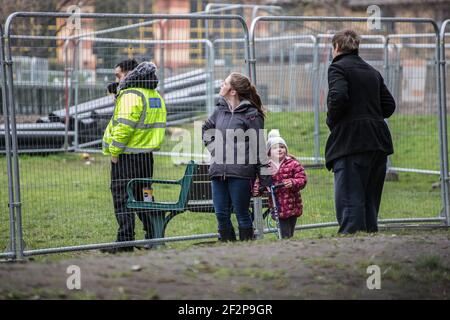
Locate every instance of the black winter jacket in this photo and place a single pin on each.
(243, 117)
(358, 102)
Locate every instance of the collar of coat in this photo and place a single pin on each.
(143, 76)
(344, 54)
(286, 161)
(243, 106)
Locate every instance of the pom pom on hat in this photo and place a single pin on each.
(273, 138)
(273, 133)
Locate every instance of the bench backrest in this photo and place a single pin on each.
(185, 182)
(201, 184)
(200, 190)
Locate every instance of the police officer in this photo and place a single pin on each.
(136, 129)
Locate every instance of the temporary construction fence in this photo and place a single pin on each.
(61, 201)
(50, 192)
(417, 129)
(83, 124)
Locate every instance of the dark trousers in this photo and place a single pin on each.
(128, 167)
(358, 184)
(287, 227)
(228, 193)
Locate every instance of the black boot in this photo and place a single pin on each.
(246, 234)
(233, 235)
(227, 235)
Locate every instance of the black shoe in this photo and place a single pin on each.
(227, 235)
(147, 246)
(246, 234)
(117, 250)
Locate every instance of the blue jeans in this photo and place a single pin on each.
(228, 193)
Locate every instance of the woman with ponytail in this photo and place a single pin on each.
(234, 136)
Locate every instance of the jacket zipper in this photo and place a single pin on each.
(228, 125)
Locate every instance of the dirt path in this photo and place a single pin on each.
(416, 265)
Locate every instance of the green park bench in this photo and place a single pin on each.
(195, 196)
(163, 211)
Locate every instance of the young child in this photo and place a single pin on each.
(287, 170)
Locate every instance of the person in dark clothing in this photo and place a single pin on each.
(234, 136)
(359, 142)
(136, 129)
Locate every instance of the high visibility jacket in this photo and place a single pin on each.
(138, 123)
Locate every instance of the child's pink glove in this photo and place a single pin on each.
(288, 183)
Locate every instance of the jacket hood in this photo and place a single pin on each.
(223, 105)
(143, 76)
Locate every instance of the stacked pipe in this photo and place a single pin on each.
(38, 136)
(185, 96)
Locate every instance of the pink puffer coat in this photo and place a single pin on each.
(289, 199)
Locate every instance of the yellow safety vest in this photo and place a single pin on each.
(138, 123)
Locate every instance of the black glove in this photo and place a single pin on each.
(264, 180)
(112, 87)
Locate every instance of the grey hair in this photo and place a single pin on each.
(346, 40)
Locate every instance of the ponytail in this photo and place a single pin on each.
(255, 99)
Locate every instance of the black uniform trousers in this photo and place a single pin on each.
(358, 185)
(128, 167)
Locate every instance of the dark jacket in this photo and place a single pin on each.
(358, 102)
(244, 117)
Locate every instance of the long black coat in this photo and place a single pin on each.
(358, 102)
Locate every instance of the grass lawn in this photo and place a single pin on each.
(66, 202)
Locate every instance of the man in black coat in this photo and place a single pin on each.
(360, 141)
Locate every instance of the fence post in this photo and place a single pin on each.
(210, 86)
(316, 101)
(76, 72)
(252, 55)
(258, 218)
(12, 222)
(442, 102)
(390, 174)
(162, 68)
(15, 152)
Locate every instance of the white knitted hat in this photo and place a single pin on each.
(273, 138)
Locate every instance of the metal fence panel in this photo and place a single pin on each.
(64, 182)
(410, 70)
(62, 200)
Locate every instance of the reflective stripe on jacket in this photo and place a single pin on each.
(138, 123)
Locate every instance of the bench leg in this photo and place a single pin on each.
(158, 222)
